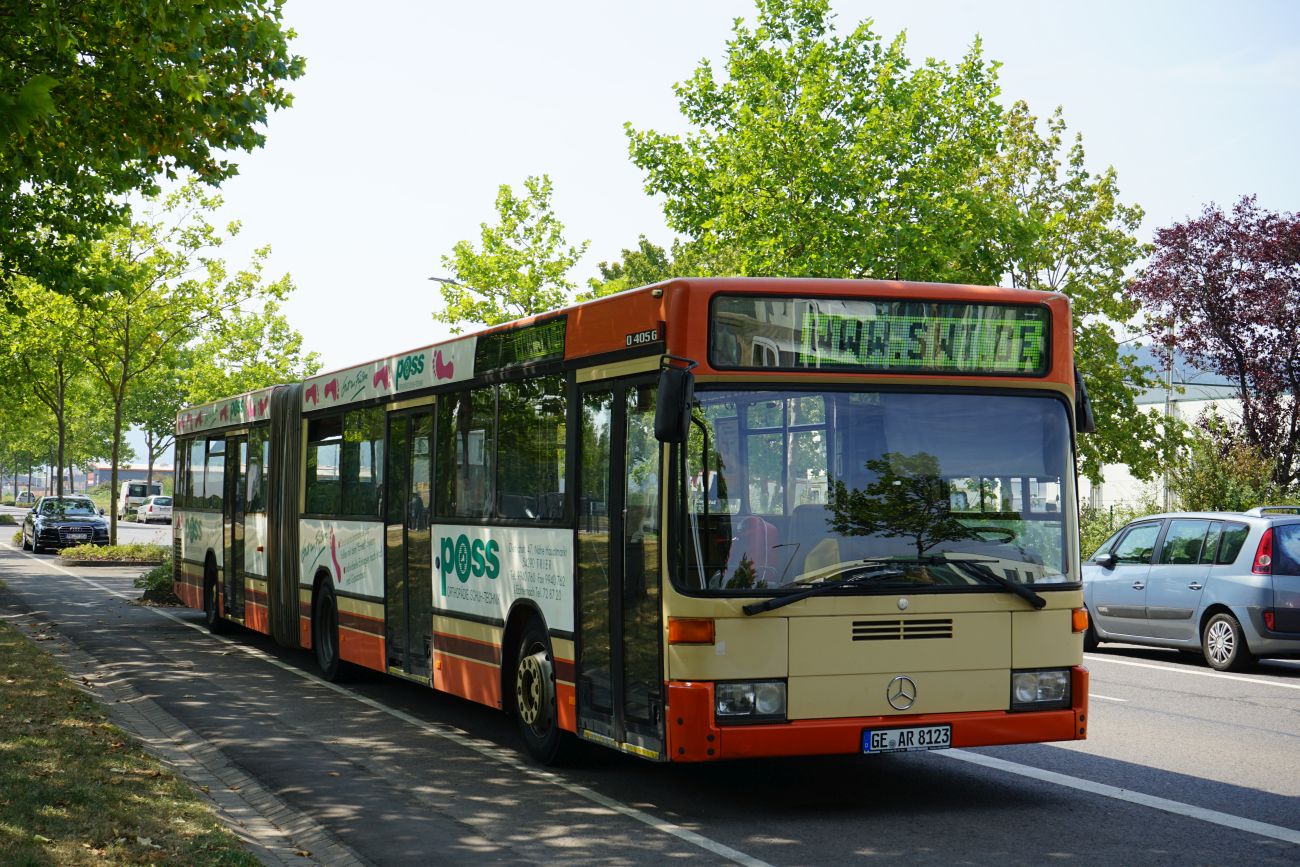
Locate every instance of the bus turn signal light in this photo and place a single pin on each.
(1079, 619)
(690, 630)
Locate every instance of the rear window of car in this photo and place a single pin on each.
(1234, 536)
(162, 501)
(1286, 549)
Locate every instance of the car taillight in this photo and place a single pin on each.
(1264, 555)
(1268, 619)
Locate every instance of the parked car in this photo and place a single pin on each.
(156, 508)
(59, 522)
(1226, 584)
(132, 494)
(25, 498)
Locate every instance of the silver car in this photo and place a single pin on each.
(155, 508)
(1226, 584)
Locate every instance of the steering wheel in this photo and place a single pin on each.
(1000, 534)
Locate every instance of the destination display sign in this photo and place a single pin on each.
(882, 335)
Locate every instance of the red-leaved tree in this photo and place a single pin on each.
(1225, 290)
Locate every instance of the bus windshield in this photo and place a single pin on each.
(786, 489)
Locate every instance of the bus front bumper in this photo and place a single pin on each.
(694, 737)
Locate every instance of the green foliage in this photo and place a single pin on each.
(137, 552)
(8, 520)
(649, 263)
(522, 265)
(819, 154)
(100, 97)
(158, 579)
(1220, 470)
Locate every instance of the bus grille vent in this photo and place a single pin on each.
(895, 630)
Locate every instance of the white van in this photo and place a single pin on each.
(132, 494)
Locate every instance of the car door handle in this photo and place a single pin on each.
(1138, 585)
(1195, 585)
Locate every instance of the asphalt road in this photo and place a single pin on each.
(1182, 766)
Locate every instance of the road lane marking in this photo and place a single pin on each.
(1227, 820)
(1214, 674)
(452, 734)
(1092, 694)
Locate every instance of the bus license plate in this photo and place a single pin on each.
(903, 740)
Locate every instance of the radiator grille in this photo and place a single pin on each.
(896, 630)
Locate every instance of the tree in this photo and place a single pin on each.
(1220, 471)
(163, 288)
(650, 263)
(100, 97)
(47, 340)
(521, 269)
(1225, 290)
(824, 155)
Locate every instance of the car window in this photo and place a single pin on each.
(1138, 543)
(1211, 546)
(1234, 536)
(1183, 541)
(1286, 549)
(1106, 546)
(162, 501)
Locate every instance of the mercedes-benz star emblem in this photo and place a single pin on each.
(901, 692)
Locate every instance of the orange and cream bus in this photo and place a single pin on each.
(706, 519)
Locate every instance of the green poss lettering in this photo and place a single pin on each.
(493, 561)
(476, 558)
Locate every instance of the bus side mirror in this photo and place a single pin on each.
(1084, 421)
(676, 396)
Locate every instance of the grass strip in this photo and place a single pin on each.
(75, 789)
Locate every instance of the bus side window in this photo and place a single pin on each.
(324, 438)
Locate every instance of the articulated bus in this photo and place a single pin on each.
(705, 519)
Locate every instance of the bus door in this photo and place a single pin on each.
(408, 561)
(620, 668)
(236, 480)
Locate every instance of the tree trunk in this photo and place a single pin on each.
(112, 487)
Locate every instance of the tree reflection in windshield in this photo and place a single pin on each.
(907, 498)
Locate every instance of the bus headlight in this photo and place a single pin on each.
(749, 701)
(1039, 690)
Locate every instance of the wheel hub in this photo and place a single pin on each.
(533, 690)
(1220, 641)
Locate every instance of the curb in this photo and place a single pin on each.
(275, 833)
(93, 563)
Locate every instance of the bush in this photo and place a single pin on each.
(157, 579)
(7, 520)
(18, 539)
(133, 553)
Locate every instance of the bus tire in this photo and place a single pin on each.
(325, 633)
(534, 698)
(211, 605)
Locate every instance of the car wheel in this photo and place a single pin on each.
(36, 545)
(1090, 640)
(1224, 645)
(27, 546)
(535, 705)
(325, 634)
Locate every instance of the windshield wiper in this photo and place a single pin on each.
(1024, 591)
(818, 589)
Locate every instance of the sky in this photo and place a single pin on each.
(411, 114)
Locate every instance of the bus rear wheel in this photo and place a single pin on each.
(212, 606)
(325, 633)
(535, 704)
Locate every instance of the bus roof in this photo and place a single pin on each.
(671, 316)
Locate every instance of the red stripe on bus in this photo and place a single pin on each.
(467, 678)
(482, 651)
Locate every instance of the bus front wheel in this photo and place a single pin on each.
(535, 705)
